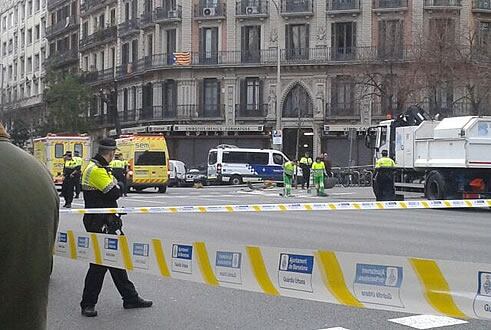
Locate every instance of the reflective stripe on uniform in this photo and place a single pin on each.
(97, 178)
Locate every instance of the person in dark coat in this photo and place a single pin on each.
(29, 207)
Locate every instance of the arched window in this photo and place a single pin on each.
(297, 103)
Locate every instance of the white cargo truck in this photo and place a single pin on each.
(447, 159)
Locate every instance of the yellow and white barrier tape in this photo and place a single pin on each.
(337, 206)
(402, 284)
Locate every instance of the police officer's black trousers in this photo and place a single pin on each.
(95, 278)
(306, 177)
(78, 186)
(67, 190)
(385, 186)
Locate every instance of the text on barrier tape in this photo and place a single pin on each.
(411, 285)
(338, 206)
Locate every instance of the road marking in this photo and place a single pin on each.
(335, 328)
(427, 321)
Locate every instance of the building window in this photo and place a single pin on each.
(102, 61)
(29, 65)
(485, 37)
(113, 17)
(211, 98)
(35, 87)
(36, 62)
(85, 30)
(125, 104)
(169, 97)
(442, 32)
(250, 96)
(37, 32)
(391, 39)
(22, 67)
(209, 45)
(344, 40)
(29, 8)
(441, 99)
(251, 43)
(43, 55)
(149, 45)
(298, 103)
(342, 99)
(43, 28)
(102, 22)
(29, 36)
(297, 41)
(133, 93)
(171, 44)
(134, 51)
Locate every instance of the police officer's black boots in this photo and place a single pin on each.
(89, 311)
(138, 303)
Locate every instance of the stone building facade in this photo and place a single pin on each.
(22, 55)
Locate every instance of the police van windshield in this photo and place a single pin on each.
(150, 158)
(212, 158)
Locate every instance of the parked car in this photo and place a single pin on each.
(196, 176)
(177, 173)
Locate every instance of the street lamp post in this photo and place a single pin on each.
(278, 75)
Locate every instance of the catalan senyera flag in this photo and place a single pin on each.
(182, 58)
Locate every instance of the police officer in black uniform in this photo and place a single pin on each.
(102, 191)
(71, 174)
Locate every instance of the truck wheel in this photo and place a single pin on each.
(436, 186)
(235, 180)
(162, 189)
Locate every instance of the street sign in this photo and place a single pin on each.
(277, 137)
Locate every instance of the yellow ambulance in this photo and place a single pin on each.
(50, 149)
(148, 160)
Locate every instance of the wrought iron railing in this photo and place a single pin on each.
(252, 8)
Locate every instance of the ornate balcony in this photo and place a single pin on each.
(62, 26)
(64, 58)
(292, 8)
(251, 111)
(390, 5)
(163, 15)
(90, 6)
(129, 27)
(203, 11)
(481, 6)
(251, 9)
(98, 38)
(443, 4)
(98, 77)
(340, 7)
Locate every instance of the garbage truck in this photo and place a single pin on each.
(443, 159)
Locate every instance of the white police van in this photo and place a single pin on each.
(234, 165)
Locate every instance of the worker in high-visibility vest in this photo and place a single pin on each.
(383, 182)
(288, 172)
(319, 171)
(119, 168)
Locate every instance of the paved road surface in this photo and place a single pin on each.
(462, 235)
